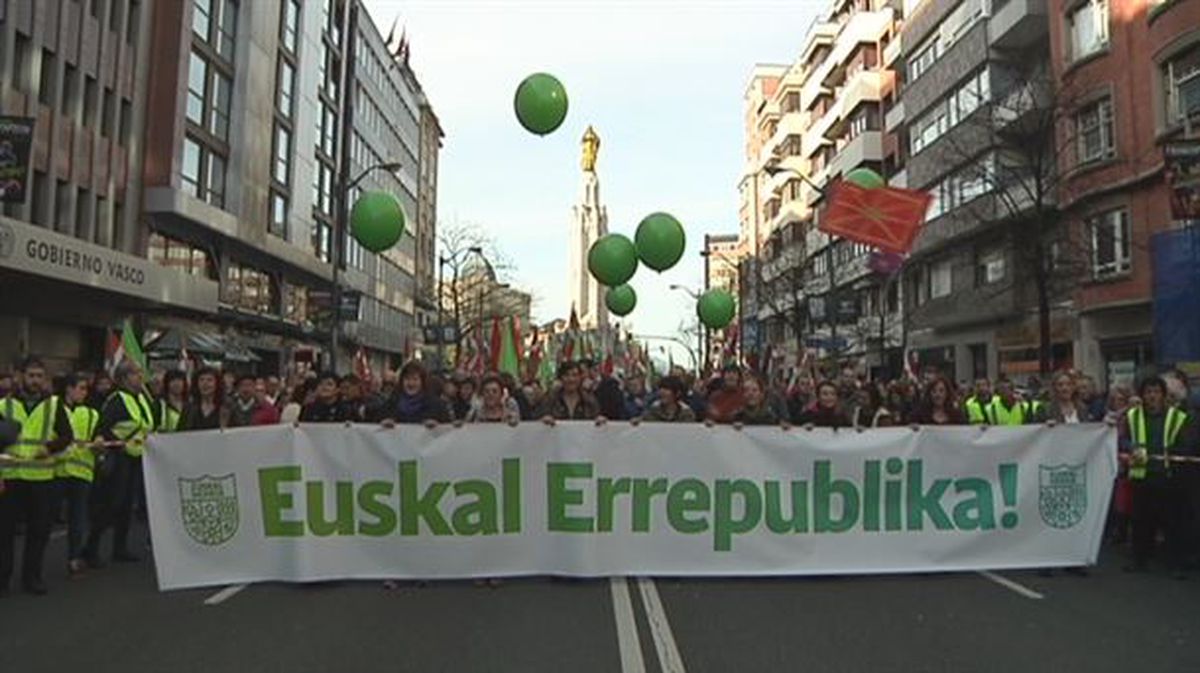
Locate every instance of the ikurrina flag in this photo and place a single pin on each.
(885, 217)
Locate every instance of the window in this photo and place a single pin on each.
(46, 89)
(209, 95)
(1110, 244)
(948, 112)
(939, 279)
(954, 26)
(1094, 128)
(279, 214)
(791, 102)
(132, 22)
(328, 137)
(203, 172)
(286, 87)
(288, 25)
(1089, 28)
(90, 100)
(924, 57)
(283, 154)
(178, 255)
(989, 267)
(202, 18)
(1182, 75)
(197, 82)
(125, 123)
(919, 286)
(322, 235)
(20, 73)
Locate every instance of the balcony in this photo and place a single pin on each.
(1017, 23)
(893, 51)
(866, 146)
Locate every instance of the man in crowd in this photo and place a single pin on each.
(1005, 408)
(978, 401)
(30, 387)
(356, 404)
(272, 391)
(248, 407)
(570, 401)
(635, 395)
(464, 396)
(127, 417)
(325, 407)
(1154, 432)
(28, 477)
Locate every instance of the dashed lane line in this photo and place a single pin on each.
(225, 594)
(1015, 587)
(627, 635)
(660, 629)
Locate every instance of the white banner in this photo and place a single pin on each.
(322, 502)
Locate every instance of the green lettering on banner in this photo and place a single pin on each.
(688, 495)
(725, 526)
(413, 509)
(776, 521)
(607, 491)
(870, 504)
(370, 497)
(343, 523)
(977, 512)
(478, 516)
(510, 470)
(275, 501)
(824, 488)
(643, 491)
(559, 497)
(922, 503)
(893, 496)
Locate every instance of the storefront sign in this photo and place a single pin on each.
(42, 252)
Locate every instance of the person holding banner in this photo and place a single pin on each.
(28, 473)
(669, 407)
(937, 406)
(169, 408)
(1006, 409)
(1157, 433)
(206, 410)
(493, 406)
(755, 410)
(1065, 406)
(412, 402)
(977, 402)
(570, 402)
(126, 419)
(826, 411)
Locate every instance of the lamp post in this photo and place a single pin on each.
(687, 348)
(339, 244)
(700, 329)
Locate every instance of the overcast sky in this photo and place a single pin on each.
(661, 80)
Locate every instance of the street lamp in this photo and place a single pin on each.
(339, 245)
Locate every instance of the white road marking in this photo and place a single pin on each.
(1011, 585)
(225, 594)
(627, 635)
(58, 533)
(660, 629)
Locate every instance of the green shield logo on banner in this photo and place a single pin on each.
(1062, 494)
(210, 508)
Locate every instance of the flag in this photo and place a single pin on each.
(185, 359)
(493, 362)
(129, 349)
(518, 342)
(507, 360)
(113, 353)
(888, 218)
(546, 371)
(361, 364)
(911, 362)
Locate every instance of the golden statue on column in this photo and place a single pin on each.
(591, 148)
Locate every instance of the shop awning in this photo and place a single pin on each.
(173, 341)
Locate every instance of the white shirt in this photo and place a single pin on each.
(1070, 415)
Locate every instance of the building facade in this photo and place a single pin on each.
(426, 224)
(246, 139)
(73, 253)
(1133, 73)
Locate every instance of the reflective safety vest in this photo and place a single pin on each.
(168, 417)
(140, 423)
(996, 414)
(35, 432)
(1138, 433)
(79, 461)
(976, 409)
(13, 409)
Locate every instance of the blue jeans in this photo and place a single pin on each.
(75, 492)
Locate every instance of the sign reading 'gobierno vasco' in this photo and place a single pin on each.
(318, 502)
(47, 253)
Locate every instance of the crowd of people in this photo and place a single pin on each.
(75, 441)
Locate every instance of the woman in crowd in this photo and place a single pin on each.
(299, 397)
(414, 402)
(169, 409)
(755, 408)
(826, 410)
(461, 396)
(206, 411)
(670, 407)
(325, 406)
(493, 406)
(1065, 405)
(938, 405)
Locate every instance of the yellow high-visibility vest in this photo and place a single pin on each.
(1138, 431)
(36, 431)
(140, 423)
(79, 461)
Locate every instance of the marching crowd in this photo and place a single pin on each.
(72, 445)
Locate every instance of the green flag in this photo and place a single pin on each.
(509, 361)
(131, 348)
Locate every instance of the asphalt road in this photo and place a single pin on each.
(116, 620)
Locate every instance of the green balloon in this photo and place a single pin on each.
(541, 103)
(620, 300)
(377, 221)
(660, 241)
(865, 178)
(612, 260)
(715, 308)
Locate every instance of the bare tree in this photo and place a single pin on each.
(464, 247)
